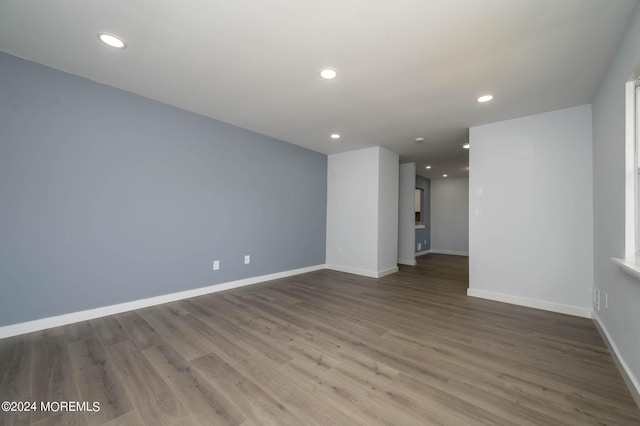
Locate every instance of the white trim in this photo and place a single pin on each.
(388, 271)
(630, 266)
(409, 262)
(363, 272)
(531, 303)
(455, 253)
(44, 323)
(627, 375)
(630, 172)
(423, 252)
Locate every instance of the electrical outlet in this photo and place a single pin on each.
(425, 242)
(606, 300)
(216, 265)
(597, 301)
(419, 246)
(247, 259)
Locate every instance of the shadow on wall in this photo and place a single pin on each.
(449, 215)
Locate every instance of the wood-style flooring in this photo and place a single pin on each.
(324, 348)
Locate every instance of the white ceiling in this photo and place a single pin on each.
(407, 68)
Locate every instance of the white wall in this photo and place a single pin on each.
(406, 215)
(533, 242)
(450, 215)
(357, 183)
(388, 211)
(621, 320)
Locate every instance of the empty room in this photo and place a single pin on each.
(352, 212)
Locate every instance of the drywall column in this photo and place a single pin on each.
(449, 221)
(389, 173)
(406, 215)
(531, 183)
(362, 212)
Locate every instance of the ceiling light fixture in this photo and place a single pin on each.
(485, 98)
(428, 167)
(335, 136)
(112, 40)
(328, 73)
(466, 146)
(444, 175)
(419, 140)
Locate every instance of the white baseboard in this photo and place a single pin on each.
(455, 253)
(409, 262)
(632, 382)
(423, 252)
(45, 323)
(530, 303)
(363, 272)
(388, 271)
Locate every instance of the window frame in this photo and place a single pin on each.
(636, 143)
(630, 263)
(632, 170)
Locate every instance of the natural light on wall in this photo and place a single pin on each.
(630, 263)
(631, 170)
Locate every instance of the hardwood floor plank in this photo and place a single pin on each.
(229, 310)
(259, 406)
(175, 333)
(205, 402)
(109, 330)
(325, 348)
(280, 313)
(304, 403)
(15, 368)
(131, 418)
(197, 309)
(98, 382)
(255, 341)
(79, 331)
(151, 396)
(15, 378)
(53, 378)
(217, 341)
(139, 330)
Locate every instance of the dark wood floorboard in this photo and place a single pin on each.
(324, 348)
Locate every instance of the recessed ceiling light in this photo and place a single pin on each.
(419, 140)
(328, 73)
(112, 40)
(444, 175)
(428, 167)
(335, 136)
(466, 146)
(485, 98)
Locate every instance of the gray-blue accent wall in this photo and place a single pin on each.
(108, 197)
